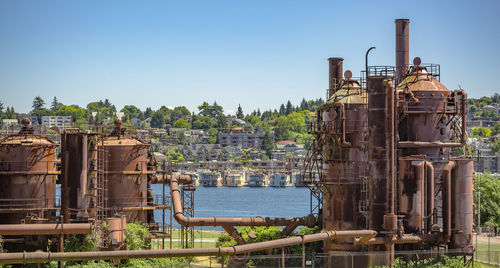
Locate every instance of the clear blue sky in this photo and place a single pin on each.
(256, 53)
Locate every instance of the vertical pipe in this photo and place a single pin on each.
(64, 184)
(335, 74)
(463, 187)
(390, 144)
(402, 48)
(447, 200)
(83, 176)
(429, 173)
(418, 199)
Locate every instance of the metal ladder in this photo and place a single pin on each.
(364, 202)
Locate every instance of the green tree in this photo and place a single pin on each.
(55, 104)
(495, 130)
(130, 111)
(213, 111)
(38, 103)
(74, 110)
(496, 145)
(175, 155)
(239, 113)
(282, 110)
(182, 123)
(481, 132)
(289, 108)
(157, 120)
(202, 122)
(212, 134)
(10, 113)
(267, 144)
(489, 187)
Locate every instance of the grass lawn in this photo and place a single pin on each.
(203, 239)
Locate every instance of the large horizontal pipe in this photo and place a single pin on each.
(181, 179)
(425, 144)
(44, 229)
(215, 221)
(39, 257)
(405, 239)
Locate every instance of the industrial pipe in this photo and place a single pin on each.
(335, 74)
(39, 257)
(447, 200)
(342, 111)
(45, 229)
(405, 239)
(402, 48)
(215, 221)
(181, 179)
(429, 173)
(418, 207)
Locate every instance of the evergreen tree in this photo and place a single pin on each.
(55, 104)
(239, 113)
(38, 103)
(148, 113)
(267, 144)
(289, 108)
(258, 112)
(303, 104)
(1, 110)
(282, 110)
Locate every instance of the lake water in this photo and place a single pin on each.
(244, 202)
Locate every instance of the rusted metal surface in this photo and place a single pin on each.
(78, 161)
(335, 74)
(402, 47)
(116, 230)
(44, 229)
(216, 221)
(126, 171)
(463, 200)
(39, 257)
(28, 177)
(379, 150)
(411, 193)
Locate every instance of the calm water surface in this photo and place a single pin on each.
(244, 202)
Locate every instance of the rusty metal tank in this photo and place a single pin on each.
(343, 122)
(126, 173)
(28, 172)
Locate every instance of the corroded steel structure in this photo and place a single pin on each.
(126, 169)
(28, 172)
(387, 165)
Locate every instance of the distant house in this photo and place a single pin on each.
(10, 122)
(136, 121)
(204, 152)
(238, 137)
(60, 122)
(233, 121)
(147, 122)
(33, 119)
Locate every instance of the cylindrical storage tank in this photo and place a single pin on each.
(462, 203)
(425, 112)
(27, 177)
(126, 173)
(344, 124)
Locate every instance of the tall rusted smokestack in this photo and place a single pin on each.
(335, 74)
(402, 48)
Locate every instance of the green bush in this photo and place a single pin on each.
(137, 236)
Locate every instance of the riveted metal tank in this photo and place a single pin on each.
(343, 123)
(27, 176)
(126, 173)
